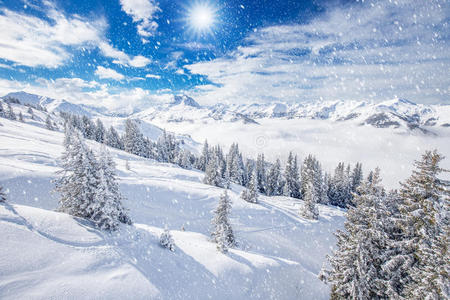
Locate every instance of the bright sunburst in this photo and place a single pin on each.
(201, 18)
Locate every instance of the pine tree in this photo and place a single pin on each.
(235, 166)
(222, 233)
(2, 111)
(133, 139)
(275, 180)
(87, 187)
(251, 194)
(340, 188)
(261, 173)
(311, 173)
(291, 176)
(356, 267)
(424, 206)
(100, 132)
(204, 157)
(79, 180)
(48, 124)
(2, 195)
(21, 117)
(310, 195)
(166, 240)
(107, 168)
(356, 177)
(87, 128)
(212, 174)
(10, 114)
(113, 139)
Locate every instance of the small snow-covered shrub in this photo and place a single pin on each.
(166, 240)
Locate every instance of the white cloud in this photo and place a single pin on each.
(143, 13)
(153, 76)
(31, 41)
(107, 73)
(122, 58)
(364, 51)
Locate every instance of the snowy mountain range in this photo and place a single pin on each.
(396, 114)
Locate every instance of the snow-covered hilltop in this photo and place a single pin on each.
(279, 253)
(396, 114)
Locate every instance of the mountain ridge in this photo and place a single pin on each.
(394, 113)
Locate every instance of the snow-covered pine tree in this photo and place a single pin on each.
(310, 194)
(221, 163)
(251, 193)
(212, 174)
(100, 131)
(424, 206)
(78, 182)
(113, 139)
(87, 128)
(356, 266)
(87, 187)
(107, 169)
(261, 173)
(10, 113)
(356, 177)
(166, 240)
(275, 180)
(133, 139)
(2, 195)
(184, 159)
(291, 177)
(2, 110)
(48, 123)
(222, 233)
(21, 117)
(311, 168)
(340, 190)
(203, 160)
(248, 170)
(235, 166)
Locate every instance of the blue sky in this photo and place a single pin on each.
(226, 51)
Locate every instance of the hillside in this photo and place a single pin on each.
(278, 257)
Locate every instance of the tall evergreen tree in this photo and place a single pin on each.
(275, 180)
(113, 139)
(222, 233)
(261, 173)
(133, 139)
(291, 176)
(212, 174)
(235, 170)
(310, 194)
(251, 194)
(424, 206)
(87, 187)
(100, 132)
(2, 195)
(10, 113)
(204, 157)
(48, 123)
(356, 267)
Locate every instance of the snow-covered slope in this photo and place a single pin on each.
(45, 254)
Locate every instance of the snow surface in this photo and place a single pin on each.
(46, 254)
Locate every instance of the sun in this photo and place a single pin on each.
(201, 18)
